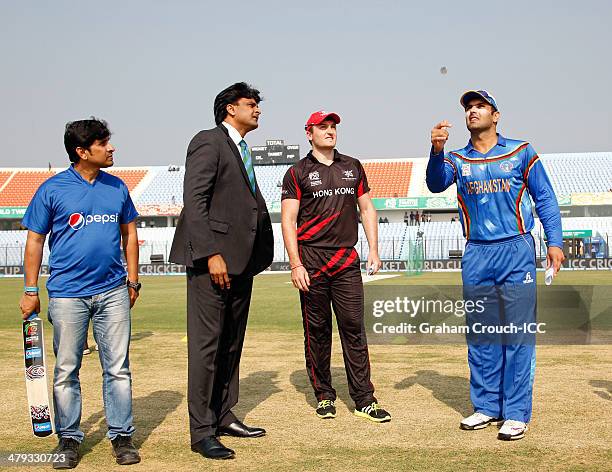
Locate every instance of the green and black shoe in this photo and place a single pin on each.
(373, 412)
(326, 409)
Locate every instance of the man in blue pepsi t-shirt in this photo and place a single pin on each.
(495, 179)
(83, 220)
(88, 214)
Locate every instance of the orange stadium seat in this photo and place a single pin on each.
(21, 188)
(131, 177)
(4, 175)
(388, 179)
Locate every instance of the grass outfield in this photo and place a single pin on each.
(424, 387)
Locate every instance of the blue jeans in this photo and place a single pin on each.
(110, 315)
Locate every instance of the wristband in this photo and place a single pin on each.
(27, 289)
(296, 266)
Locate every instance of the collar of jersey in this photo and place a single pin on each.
(463, 154)
(314, 159)
(80, 177)
(501, 141)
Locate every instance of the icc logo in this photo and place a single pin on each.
(76, 221)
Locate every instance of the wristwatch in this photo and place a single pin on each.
(135, 285)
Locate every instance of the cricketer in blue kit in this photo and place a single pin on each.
(497, 178)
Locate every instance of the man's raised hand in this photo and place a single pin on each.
(439, 136)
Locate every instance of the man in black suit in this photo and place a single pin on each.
(224, 237)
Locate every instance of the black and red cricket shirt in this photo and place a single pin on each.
(328, 195)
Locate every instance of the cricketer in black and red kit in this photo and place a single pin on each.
(320, 196)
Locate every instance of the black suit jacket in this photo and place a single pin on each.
(221, 215)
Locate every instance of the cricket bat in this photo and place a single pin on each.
(36, 376)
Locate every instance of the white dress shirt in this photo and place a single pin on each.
(235, 135)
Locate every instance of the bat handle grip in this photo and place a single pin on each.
(32, 316)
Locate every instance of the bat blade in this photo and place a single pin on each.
(36, 377)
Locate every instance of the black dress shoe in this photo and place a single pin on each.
(240, 430)
(212, 448)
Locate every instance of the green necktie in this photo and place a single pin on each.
(248, 163)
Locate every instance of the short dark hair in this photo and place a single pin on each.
(84, 133)
(231, 95)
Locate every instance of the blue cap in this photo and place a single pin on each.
(472, 94)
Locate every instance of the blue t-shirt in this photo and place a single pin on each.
(85, 240)
(493, 190)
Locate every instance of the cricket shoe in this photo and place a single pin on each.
(66, 454)
(373, 412)
(512, 430)
(478, 421)
(326, 409)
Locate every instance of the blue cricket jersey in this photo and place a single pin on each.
(493, 190)
(85, 239)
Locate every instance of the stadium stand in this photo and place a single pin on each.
(12, 244)
(587, 172)
(131, 177)
(438, 238)
(419, 188)
(569, 174)
(20, 189)
(599, 225)
(165, 187)
(270, 179)
(4, 176)
(388, 179)
(390, 239)
(423, 191)
(577, 174)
